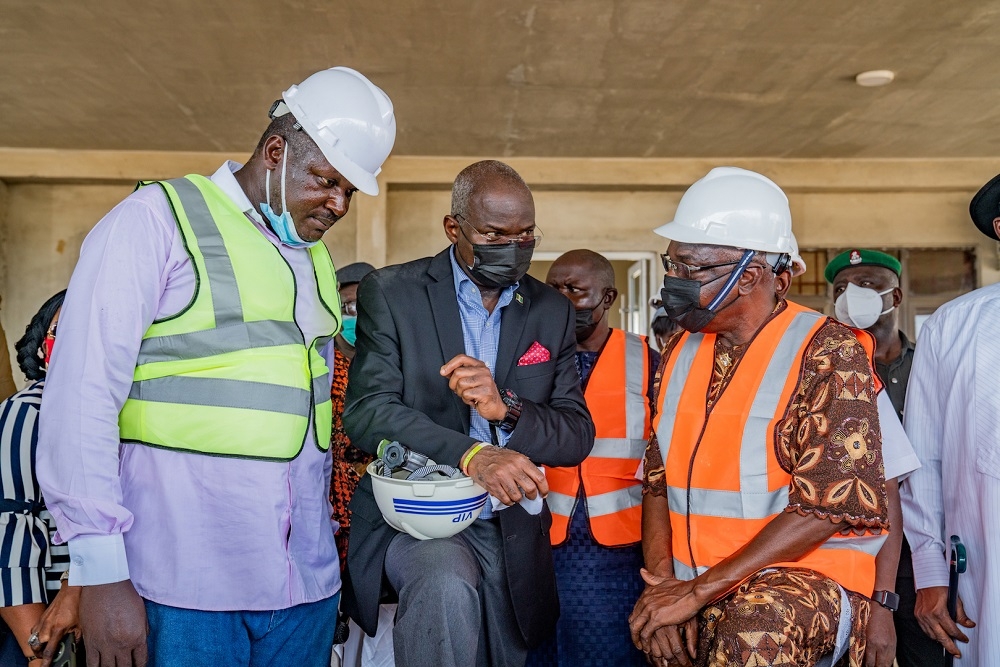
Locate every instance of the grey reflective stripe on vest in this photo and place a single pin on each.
(614, 501)
(869, 544)
(635, 392)
(685, 573)
(321, 388)
(560, 503)
(210, 342)
(728, 504)
(753, 451)
(618, 448)
(217, 392)
(221, 276)
(321, 385)
(672, 396)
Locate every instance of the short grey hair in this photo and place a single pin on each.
(470, 179)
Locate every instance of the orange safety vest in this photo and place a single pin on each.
(616, 397)
(724, 480)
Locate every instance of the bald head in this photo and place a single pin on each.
(587, 262)
(480, 177)
(588, 280)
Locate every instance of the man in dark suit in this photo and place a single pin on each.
(454, 351)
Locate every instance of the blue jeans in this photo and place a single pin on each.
(300, 636)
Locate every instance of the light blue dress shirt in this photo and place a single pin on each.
(481, 333)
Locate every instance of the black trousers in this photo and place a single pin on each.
(913, 647)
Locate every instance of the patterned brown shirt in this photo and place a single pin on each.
(349, 462)
(828, 439)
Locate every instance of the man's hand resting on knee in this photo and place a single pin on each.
(113, 619)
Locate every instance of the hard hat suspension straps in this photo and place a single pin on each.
(733, 278)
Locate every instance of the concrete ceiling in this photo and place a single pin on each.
(657, 78)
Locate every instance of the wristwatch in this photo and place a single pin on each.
(513, 404)
(887, 599)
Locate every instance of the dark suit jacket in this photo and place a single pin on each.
(408, 327)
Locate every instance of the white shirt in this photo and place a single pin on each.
(898, 456)
(953, 420)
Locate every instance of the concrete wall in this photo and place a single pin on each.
(49, 200)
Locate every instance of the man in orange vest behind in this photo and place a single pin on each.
(597, 506)
(765, 502)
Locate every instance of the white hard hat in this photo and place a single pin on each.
(733, 207)
(798, 265)
(427, 509)
(349, 118)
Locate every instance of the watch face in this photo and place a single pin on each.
(887, 599)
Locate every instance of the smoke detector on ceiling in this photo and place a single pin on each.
(874, 78)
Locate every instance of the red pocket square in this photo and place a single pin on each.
(536, 354)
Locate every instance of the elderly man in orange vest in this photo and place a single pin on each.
(765, 502)
(597, 506)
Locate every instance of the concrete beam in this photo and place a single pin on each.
(42, 164)
(803, 175)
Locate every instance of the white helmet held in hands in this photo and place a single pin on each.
(733, 207)
(349, 118)
(438, 505)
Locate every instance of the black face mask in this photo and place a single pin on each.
(584, 322)
(682, 301)
(497, 266)
(682, 297)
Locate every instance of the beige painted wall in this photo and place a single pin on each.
(51, 199)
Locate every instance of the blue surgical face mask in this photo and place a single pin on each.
(283, 225)
(349, 330)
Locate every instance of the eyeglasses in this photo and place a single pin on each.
(349, 308)
(685, 270)
(531, 238)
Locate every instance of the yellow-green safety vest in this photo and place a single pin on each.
(232, 373)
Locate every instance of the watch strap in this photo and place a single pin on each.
(887, 599)
(513, 403)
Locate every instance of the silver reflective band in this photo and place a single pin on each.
(618, 448)
(727, 504)
(321, 388)
(672, 396)
(221, 276)
(754, 449)
(614, 501)
(221, 393)
(869, 544)
(635, 393)
(560, 503)
(685, 573)
(211, 342)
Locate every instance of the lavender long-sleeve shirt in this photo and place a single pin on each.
(189, 530)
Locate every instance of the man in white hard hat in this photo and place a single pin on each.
(184, 446)
(765, 502)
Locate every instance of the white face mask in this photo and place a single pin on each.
(860, 307)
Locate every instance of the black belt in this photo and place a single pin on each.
(11, 506)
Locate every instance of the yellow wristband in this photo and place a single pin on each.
(468, 457)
